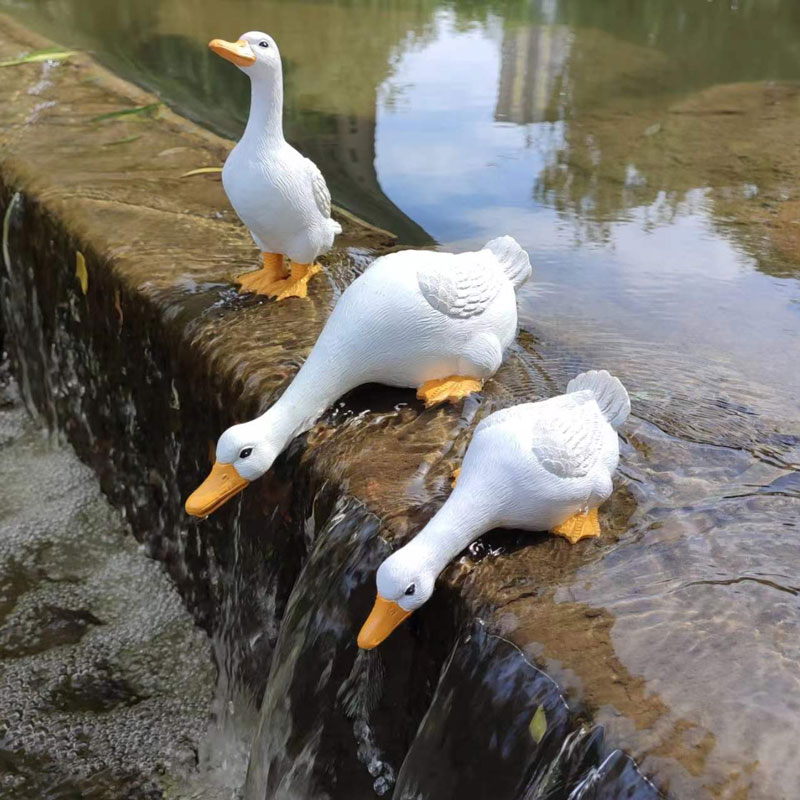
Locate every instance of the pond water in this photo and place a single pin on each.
(646, 154)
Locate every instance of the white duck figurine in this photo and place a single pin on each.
(434, 321)
(279, 194)
(543, 466)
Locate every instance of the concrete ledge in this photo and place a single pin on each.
(145, 362)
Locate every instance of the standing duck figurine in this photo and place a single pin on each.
(279, 194)
(436, 322)
(543, 466)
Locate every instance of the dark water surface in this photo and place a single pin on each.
(647, 155)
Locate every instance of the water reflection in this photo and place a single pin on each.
(533, 61)
(388, 97)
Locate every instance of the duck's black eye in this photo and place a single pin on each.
(263, 43)
(246, 452)
(411, 589)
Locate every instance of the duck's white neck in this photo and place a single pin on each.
(265, 123)
(459, 522)
(317, 385)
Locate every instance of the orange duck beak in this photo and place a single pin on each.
(385, 616)
(238, 53)
(222, 483)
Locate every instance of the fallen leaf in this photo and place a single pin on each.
(51, 53)
(201, 171)
(81, 273)
(538, 725)
(126, 112)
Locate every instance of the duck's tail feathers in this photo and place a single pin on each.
(335, 227)
(512, 258)
(608, 391)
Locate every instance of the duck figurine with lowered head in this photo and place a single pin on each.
(543, 466)
(279, 194)
(437, 322)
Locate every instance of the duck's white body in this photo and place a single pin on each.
(415, 316)
(279, 194)
(410, 318)
(531, 467)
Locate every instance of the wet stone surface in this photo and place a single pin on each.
(105, 682)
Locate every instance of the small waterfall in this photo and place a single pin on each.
(226, 749)
(359, 696)
(19, 294)
(315, 707)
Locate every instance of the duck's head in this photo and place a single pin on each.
(255, 53)
(405, 582)
(244, 453)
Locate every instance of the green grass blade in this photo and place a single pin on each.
(51, 53)
(126, 140)
(126, 112)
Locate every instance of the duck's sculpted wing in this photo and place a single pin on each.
(460, 287)
(322, 195)
(567, 440)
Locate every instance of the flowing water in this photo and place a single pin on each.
(647, 155)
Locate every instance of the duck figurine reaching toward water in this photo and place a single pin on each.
(279, 194)
(543, 466)
(436, 322)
